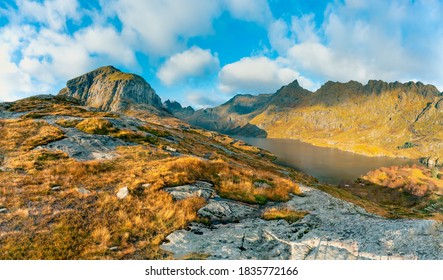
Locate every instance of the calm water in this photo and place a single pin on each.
(326, 164)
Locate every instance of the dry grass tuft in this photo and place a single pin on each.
(67, 122)
(287, 214)
(96, 126)
(415, 179)
(26, 134)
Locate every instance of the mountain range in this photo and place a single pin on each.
(376, 119)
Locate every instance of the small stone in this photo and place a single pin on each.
(147, 185)
(122, 193)
(83, 191)
(3, 210)
(262, 185)
(114, 248)
(169, 149)
(55, 188)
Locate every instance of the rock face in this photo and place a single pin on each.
(83, 146)
(333, 230)
(109, 89)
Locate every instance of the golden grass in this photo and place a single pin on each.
(119, 76)
(67, 122)
(64, 224)
(105, 127)
(48, 218)
(55, 106)
(26, 134)
(96, 126)
(417, 180)
(287, 214)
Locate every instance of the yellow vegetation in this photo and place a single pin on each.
(416, 180)
(287, 214)
(96, 126)
(26, 134)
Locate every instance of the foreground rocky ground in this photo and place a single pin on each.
(333, 229)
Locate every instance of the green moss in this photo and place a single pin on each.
(260, 199)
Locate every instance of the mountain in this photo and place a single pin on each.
(376, 119)
(176, 108)
(109, 89)
(231, 117)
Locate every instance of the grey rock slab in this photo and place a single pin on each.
(83, 146)
(225, 211)
(334, 229)
(197, 189)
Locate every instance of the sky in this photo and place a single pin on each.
(203, 52)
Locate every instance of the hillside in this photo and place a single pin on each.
(376, 119)
(78, 183)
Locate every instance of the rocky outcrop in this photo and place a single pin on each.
(333, 229)
(197, 189)
(109, 89)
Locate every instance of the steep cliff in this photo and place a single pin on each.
(109, 89)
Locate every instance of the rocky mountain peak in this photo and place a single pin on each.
(378, 87)
(289, 94)
(110, 89)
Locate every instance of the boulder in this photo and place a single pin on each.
(83, 191)
(197, 189)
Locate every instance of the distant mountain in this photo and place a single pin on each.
(109, 89)
(176, 108)
(377, 119)
(231, 117)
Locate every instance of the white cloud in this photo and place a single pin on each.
(161, 27)
(52, 13)
(12, 80)
(250, 10)
(258, 75)
(193, 62)
(106, 41)
(389, 40)
(204, 98)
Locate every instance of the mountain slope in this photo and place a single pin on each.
(376, 119)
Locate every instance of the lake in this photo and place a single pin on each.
(328, 165)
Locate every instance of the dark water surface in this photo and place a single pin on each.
(328, 165)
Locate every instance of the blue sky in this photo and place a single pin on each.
(202, 52)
